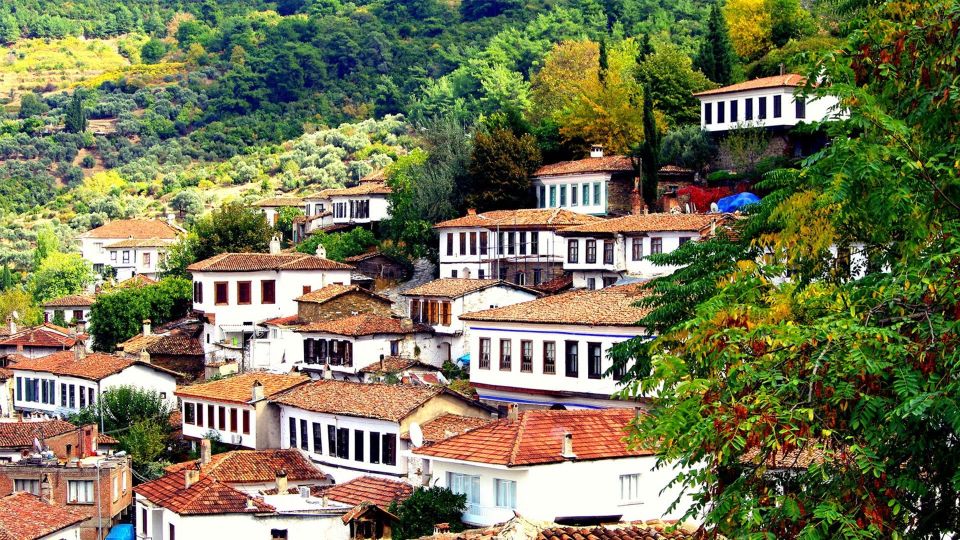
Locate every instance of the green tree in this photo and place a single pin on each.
(9, 29)
(116, 316)
(716, 57)
(669, 75)
(788, 20)
(146, 441)
(500, 168)
(31, 105)
(284, 224)
(153, 51)
(117, 409)
(48, 243)
(7, 279)
(188, 203)
(75, 117)
(425, 508)
(18, 301)
(339, 246)
(60, 274)
(180, 255)
(232, 228)
(689, 147)
(852, 360)
(650, 151)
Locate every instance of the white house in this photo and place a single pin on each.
(271, 207)
(768, 102)
(235, 291)
(62, 383)
(38, 341)
(73, 309)
(364, 203)
(527, 463)
(235, 409)
(512, 245)
(597, 185)
(25, 516)
(598, 254)
(553, 351)
(440, 303)
(354, 429)
(316, 216)
(129, 246)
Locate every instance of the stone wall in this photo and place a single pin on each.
(342, 306)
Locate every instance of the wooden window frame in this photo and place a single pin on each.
(225, 301)
(265, 285)
(249, 286)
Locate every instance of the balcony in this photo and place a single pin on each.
(484, 516)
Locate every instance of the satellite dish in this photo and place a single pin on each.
(416, 435)
(714, 208)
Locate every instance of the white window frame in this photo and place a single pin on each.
(80, 492)
(29, 485)
(505, 493)
(630, 488)
(465, 484)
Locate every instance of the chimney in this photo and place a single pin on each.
(80, 327)
(256, 393)
(636, 203)
(204, 452)
(79, 351)
(327, 372)
(281, 482)
(513, 412)
(321, 251)
(406, 324)
(144, 356)
(441, 528)
(250, 505)
(567, 451)
(381, 362)
(471, 211)
(275, 244)
(304, 492)
(596, 151)
(147, 330)
(11, 325)
(171, 219)
(190, 477)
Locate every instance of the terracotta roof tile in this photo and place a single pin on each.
(364, 188)
(239, 388)
(140, 242)
(653, 530)
(777, 81)
(135, 228)
(558, 284)
(364, 324)
(457, 287)
(70, 301)
(375, 176)
(289, 320)
(643, 223)
(252, 262)
(336, 290)
(392, 402)
(798, 458)
(42, 336)
(587, 165)
(396, 364)
(279, 201)
(536, 438)
(255, 467)
(94, 366)
(448, 425)
(24, 516)
(369, 489)
(205, 497)
(138, 280)
(21, 434)
(543, 218)
(610, 306)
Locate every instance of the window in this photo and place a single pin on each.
(594, 360)
(374, 447)
(511, 243)
(233, 419)
(684, 240)
(246, 422)
(586, 194)
(549, 357)
(608, 252)
(629, 488)
(523, 243)
(331, 440)
(343, 443)
(573, 251)
(501, 243)
(563, 195)
(146, 260)
(293, 432)
(502, 273)
(574, 200)
(636, 249)
(777, 106)
(762, 108)
(143, 520)
(83, 397)
(189, 413)
(526, 356)
(733, 110)
(553, 196)
(306, 289)
(304, 441)
(541, 196)
(450, 244)
(591, 252)
(278, 534)
(473, 243)
(465, 484)
(483, 243)
(113, 255)
(73, 390)
(481, 274)
(30, 486)
(173, 532)
(211, 419)
(395, 346)
(721, 112)
(77, 315)
(80, 491)
(126, 256)
(748, 109)
(358, 445)
(656, 245)
(389, 448)
(708, 113)
(243, 292)
(116, 488)
(220, 291)
(268, 291)
(591, 284)
(505, 354)
(317, 438)
(801, 106)
(415, 310)
(520, 278)
(534, 243)
(222, 418)
(596, 193)
(200, 415)
(537, 276)
(506, 493)
(484, 353)
(463, 244)
(573, 360)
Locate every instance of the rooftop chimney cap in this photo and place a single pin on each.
(566, 451)
(471, 211)
(596, 151)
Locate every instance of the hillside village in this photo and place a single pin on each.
(479, 270)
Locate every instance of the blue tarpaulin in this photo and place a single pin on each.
(121, 532)
(736, 202)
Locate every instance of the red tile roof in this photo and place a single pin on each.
(24, 516)
(457, 287)
(797, 458)
(279, 202)
(777, 81)
(536, 438)
(392, 402)
(555, 285)
(336, 290)
(364, 188)
(587, 165)
(239, 388)
(94, 366)
(653, 530)
(540, 218)
(644, 223)
(21, 434)
(140, 243)
(42, 336)
(70, 301)
(610, 306)
(289, 320)
(205, 497)
(396, 364)
(364, 324)
(135, 228)
(448, 425)
(255, 467)
(252, 262)
(370, 489)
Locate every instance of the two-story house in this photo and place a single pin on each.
(598, 185)
(363, 204)
(235, 291)
(520, 246)
(317, 215)
(38, 341)
(440, 303)
(271, 207)
(598, 254)
(354, 429)
(71, 309)
(129, 246)
(235, 410)
(525, 463)
(63, 383)
(553, 351)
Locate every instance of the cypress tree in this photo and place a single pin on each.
(75, 120)
(650, 150)
(716, 56)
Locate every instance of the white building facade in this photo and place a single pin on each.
(129, 246)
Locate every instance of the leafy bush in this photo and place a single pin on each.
(117, 316)
(425, 508)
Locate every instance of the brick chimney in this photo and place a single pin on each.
(281, 482)
(11, 325)
(637, 205)
(567, 450)
(147, 330)
(471, 211)
(190, 477)
(144, 356)
(79, 351)
(406, 324)
(513, 411)
(204, 451)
